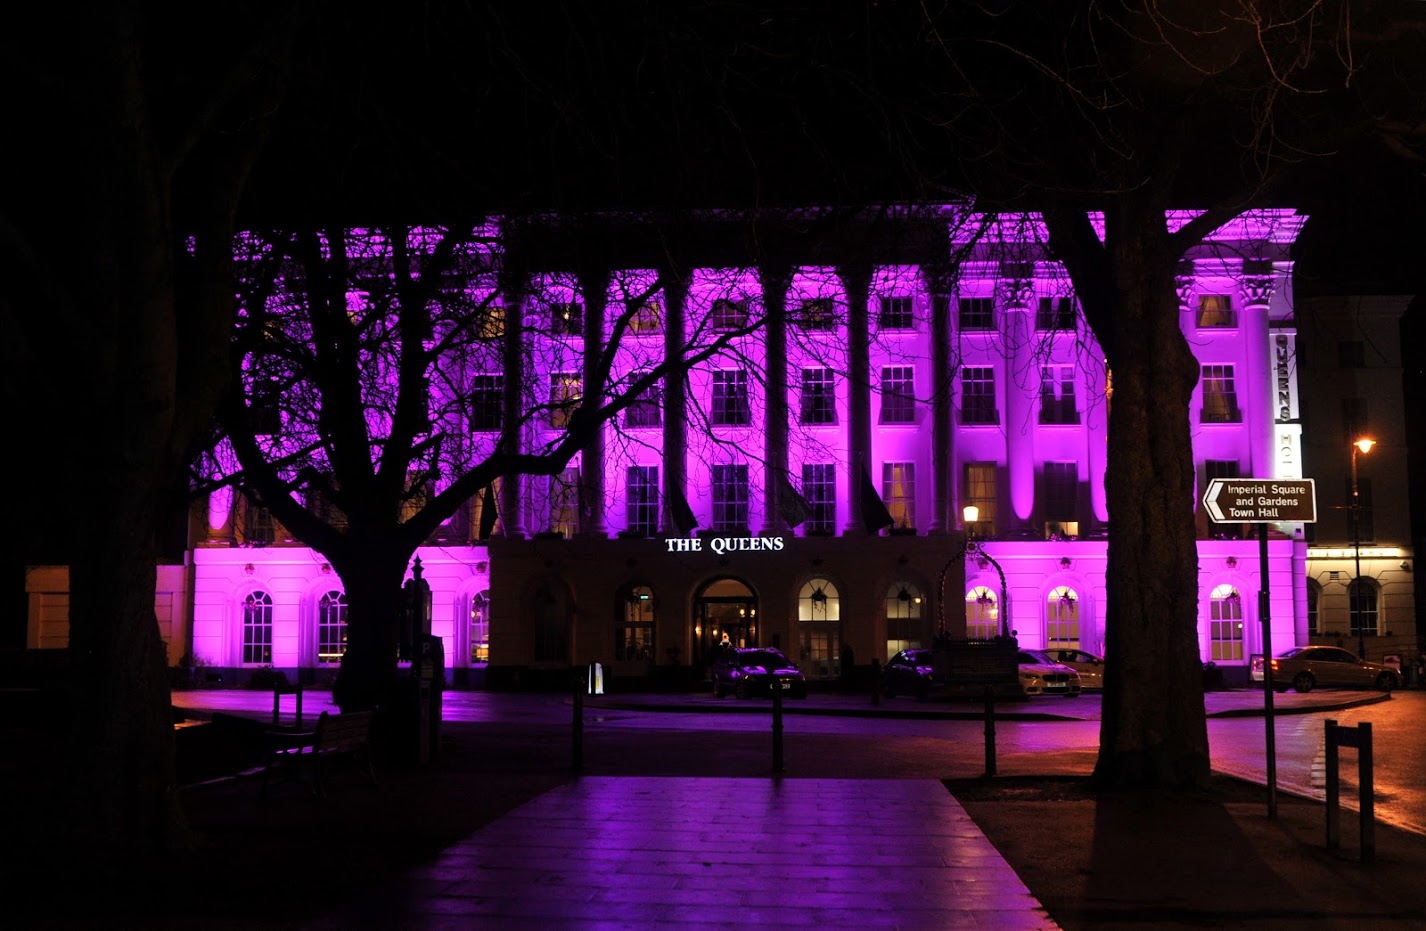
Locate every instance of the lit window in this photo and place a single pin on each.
(1225, 624)
(480, 628)
(634, 638)
(567, 318)
(1062, 619)
(982, 614)
(648, 318)
(1216, 311)
(979, 492)
(564, 397)
(1220, 395)
(898, 490)
(818, 313)
(331, 628)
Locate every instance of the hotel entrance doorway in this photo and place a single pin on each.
(725, 612)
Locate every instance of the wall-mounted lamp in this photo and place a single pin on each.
(1066, 562)
(1232, 562)
(1405, 566)
(249, 568)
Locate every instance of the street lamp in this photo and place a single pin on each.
(1354, 596)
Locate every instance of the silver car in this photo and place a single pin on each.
(1306, 668)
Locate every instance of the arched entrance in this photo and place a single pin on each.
(723, 607)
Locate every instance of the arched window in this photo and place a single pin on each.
(982, 613)
(1225, 624)
(331, 628)
(1362, 605)
(1314, 596)
(257, 628)
(634, 634)
(905, 606)
(1062, 619)
(819, 616)
(480, 628)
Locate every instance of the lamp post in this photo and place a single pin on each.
(1354, 595)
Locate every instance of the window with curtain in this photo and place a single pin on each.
(1062, 619)
(1220, 395)
(898, 490)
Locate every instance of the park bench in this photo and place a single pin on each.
(336, 736)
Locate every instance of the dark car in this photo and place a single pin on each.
(1305, 668)
(757, 671)
(908, 673)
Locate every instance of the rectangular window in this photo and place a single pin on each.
(266, 408)
(978, 395)
(480, 628)
(730, 398)
(257, 628)
(1356, 419)
(816, 313)
(898, 490)
(647, 409)
(564, 503)
(487, 403)
(1220, 395)
(1057, 405)
(1362, 608)
(567, 318)
(819, 397)
(729, 314)
(979, 491)
(898, 394)
(564, 397)
(1222, 468)
(331, 628)
(895, 314)
(641, 503)
(730, 497)
(634, 638)
(1062, 620)
(1351, 354)
(1061, 494)
(647, 318)
(819, 490)
(1055, 314)
(977, 313)
(1215, 311)
(490, 321)
(257, 528)
(1225, 628)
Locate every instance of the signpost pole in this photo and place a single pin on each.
(1265, 613)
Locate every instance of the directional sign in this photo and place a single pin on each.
(1260, 500)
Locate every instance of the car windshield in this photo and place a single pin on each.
(1287, 654)
(762, 658)
(1033, 656)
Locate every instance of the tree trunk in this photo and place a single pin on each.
(372, 575)
(1153, 732)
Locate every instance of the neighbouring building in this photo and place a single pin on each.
(813, 487)
(1360, 559)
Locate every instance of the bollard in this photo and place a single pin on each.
(776, 727)
(577, 731)
(990, 730)
(1361, 738)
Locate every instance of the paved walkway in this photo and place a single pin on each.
(692, 853)
(642, 852)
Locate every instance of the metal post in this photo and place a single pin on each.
(1265, 614)
(1366, 792)
(990, 730)
(1334, 788)
(1354, 597)
(776, 727)
(577, 731)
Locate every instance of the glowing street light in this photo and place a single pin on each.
(1363, 445)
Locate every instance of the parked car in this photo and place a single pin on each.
(756, 671)
(1306, 668)
(1089, 666)
(908, 673)
(1040, 675)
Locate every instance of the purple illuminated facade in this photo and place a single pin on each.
(919, 373)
